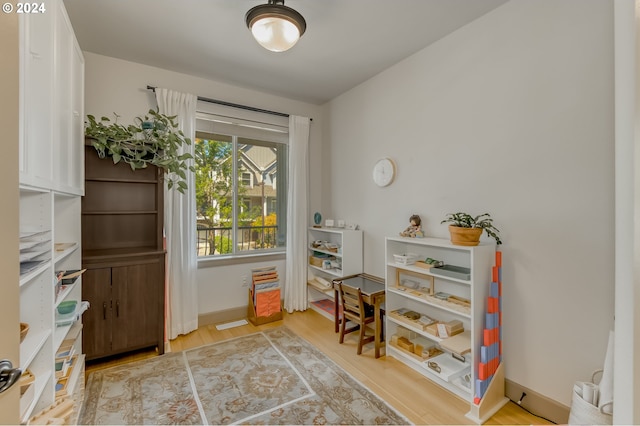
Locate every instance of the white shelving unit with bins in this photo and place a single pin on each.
(332, 253)
(68, 327)
(417, 294)
(51, 185)
(49, 243)
(36, 297)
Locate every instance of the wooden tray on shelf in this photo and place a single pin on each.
(459, 301)
(422, 264)
(452, 302)
(398, 314)
(415, 351)
(459, 344)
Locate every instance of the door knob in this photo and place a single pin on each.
(8, 375)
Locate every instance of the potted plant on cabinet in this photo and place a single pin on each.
(465, 229)
(153, 139)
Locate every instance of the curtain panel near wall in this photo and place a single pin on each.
(180, 224)
(295, 292)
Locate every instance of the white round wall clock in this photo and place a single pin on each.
(384, 171)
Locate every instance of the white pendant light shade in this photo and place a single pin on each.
(275, 26)
(275, 34)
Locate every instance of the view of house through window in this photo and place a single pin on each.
(240, 194)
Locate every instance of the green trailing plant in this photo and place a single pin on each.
(465, 220)
(153, 139)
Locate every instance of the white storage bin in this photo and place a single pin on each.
(584, 413)
(405, 259)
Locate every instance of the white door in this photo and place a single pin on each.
(9, 262)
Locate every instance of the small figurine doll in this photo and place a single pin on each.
(414, 230)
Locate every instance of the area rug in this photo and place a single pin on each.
(271, 377)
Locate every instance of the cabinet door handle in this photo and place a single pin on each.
(117, 308)
(104, 310)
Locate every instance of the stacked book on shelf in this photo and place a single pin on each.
(35, 249)
(264, 296)
(65, 280)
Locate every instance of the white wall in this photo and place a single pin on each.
(512, 115)
(114, 85)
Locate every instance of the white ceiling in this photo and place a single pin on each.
(346, 43)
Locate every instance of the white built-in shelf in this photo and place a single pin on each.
(426, 272)
(60, 255)
(330, 253)
(349, 254)
(29, 276)
(31, 346)
(39, 384)
(321, 288)
(431, 301)
(331, 271)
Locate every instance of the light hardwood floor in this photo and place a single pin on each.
(417, 398)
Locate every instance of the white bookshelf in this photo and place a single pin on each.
(345, 259)
(408, 287)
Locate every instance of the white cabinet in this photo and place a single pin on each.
(68, 126)
(36, 98)
(417, 294)
(51, 101)
(332, 253)
(75, 147)
(51, 185)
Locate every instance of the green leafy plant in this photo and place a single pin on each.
(465, 220)
(153, 139)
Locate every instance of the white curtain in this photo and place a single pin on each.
(295, 292)
(180, 225)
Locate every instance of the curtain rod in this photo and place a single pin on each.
(230, 104)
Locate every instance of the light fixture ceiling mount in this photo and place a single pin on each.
(275, 26)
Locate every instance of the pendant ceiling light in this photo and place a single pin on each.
(275, 26)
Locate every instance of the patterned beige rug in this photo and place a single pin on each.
(272, 377)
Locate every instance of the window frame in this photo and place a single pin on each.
(250, 179)
(253, 255)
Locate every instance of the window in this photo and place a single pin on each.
(246, 179)
(240, 190)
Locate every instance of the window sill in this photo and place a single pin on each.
(212, 262)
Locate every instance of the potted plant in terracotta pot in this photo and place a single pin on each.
(465, 229)
(153, 139)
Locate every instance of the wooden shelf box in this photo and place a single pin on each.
(264, 296)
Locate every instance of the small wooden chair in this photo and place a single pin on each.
(355, 310)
